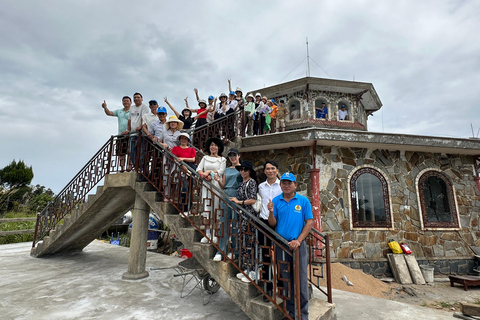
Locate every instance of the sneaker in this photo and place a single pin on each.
(218, 257)
(252, 275)
(244, 279)
(230, 255)
(204, 240)
(240, 275)
(215, 240)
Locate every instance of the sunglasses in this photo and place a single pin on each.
(244, 169)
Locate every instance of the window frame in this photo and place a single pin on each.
(451, 196)
(370, 225)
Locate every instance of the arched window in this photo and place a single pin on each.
(294, 109)
(437, 200)
(344, 111)
(370, 199)
(321, 109)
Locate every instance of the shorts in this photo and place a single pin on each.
(280, 123)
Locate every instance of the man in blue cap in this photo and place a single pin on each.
(291, 216)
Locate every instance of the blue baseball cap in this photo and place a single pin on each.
(211, 98)
(161, 110)
(232, 93)
(153, 102)
(288, 176)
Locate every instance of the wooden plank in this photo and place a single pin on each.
(7, 233)
(17, 219)
(470, 309)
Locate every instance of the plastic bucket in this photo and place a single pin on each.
(185, 253)
(427, 272)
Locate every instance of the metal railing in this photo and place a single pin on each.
(193, 196)
(227, 127)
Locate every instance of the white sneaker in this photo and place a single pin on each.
(204, 240)
(230, 255)
(252, 275)
(218, 257)
(215, 240)
(240, 275)
(244, 279)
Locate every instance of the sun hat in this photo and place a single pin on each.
(258, 94)
(186, 109)
(173, 119)
(238, 90)
(184, 134)
(249, 165)
(217, 141)
(161, 110)
(223, 95)
(288, 176)
(202, 101)
(251, 96)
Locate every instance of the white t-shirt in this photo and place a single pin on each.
(342, 114)
(148, 119)
(295, 114)
(136, 114)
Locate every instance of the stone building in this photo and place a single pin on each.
(367, 187)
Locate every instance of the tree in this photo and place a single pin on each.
(16, 174)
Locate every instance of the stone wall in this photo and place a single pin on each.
(381, 267)
(401, 170)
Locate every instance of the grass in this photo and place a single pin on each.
(10, 226)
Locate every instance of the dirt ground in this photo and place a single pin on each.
(439, 295)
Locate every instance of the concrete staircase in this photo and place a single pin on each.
(90, 219)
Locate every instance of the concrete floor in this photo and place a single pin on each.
(88, 285)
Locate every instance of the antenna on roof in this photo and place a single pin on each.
(473, 132)
(308, 60)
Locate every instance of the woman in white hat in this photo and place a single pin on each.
(170, 135)
(186, 154)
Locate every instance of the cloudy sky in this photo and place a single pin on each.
(60, 59)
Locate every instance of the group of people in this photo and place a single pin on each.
(322, 112)
(283, 209)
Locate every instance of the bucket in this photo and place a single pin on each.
(185, 253)
(427, 272)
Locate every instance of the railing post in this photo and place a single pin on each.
(110, 152)
(296, 285)
(329, 272)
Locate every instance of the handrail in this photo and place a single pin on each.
(193, 196)
(182, 188)
(227, 127)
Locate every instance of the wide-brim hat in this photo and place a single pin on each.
(202, 101)
(184, 134)
(189, 111)
(223, 95)
(218, 142)
(249, 165)
(173, 119)
(238, 90)
(251, 96)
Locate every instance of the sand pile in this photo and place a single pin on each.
(362, 283)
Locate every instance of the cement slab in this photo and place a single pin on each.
(356, 306)
(89, 285)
